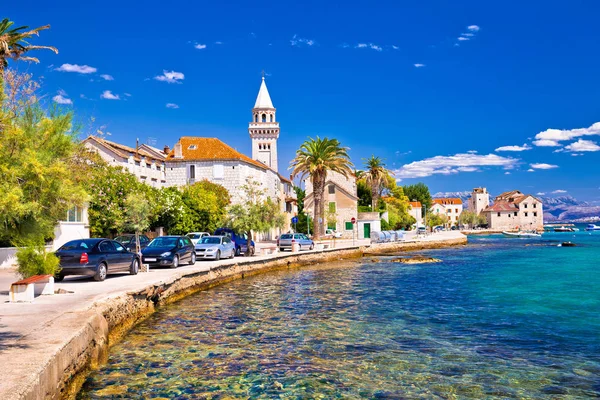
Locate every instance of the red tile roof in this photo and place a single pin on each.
(415, 204)
(450, 200)
(209, 149)
(501, 206)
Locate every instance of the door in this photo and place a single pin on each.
(124, 258)
(367, 230)
(110, 254)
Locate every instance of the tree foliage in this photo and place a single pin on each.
(257, 214)
(37, 158)
(376, 178)
(434, 219)
(468, 218)
(138, 212)
(419, 192)
(207, 203)
(397, 205)
(315, 158)
(33, 259)
(305, 224)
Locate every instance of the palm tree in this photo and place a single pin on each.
(376, 174)
(14, 44)
(315, 158)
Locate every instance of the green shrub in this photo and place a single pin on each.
(35, 260)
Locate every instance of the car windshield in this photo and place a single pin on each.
(193, 235)
(211, 240)
(123, 239)
(163, 242)
(286, 236)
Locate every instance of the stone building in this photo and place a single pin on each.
(515, 211)
(450, 207)
(340, 199)
(147, 166)
(479, 200)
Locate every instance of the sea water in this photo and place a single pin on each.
(499, 318)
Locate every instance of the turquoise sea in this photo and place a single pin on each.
(499, 318)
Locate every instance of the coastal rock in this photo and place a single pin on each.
(416, 260)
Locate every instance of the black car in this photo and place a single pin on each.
(96, 258)
(128, 240)
(169, 251)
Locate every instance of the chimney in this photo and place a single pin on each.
(178, 152)
(167, 149)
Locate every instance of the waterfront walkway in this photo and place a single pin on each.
(34, 336)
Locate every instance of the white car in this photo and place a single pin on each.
(196, 236)
(215, 247)
(332, 233)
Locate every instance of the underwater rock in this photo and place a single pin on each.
(567, 244)
(416, 260)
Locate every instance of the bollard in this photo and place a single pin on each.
(295, 247)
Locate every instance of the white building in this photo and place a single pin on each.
(515, 211)
(264, 129)
(479, 200)
(450, 207)
(145, 162)
(75, 226)
(340, 202)
(416, 211)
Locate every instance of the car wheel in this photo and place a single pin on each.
(193, 260)
(238, 251)
(218, 255)
(175, 262)
(59, 277)
(100, 273)
(232, 253)
(312, 246)
(135, 267)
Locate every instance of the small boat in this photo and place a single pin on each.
(522, 234)
(592, 227)
(565, 229)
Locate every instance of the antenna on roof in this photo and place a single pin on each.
(137, 145)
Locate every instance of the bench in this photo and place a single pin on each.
(27, 289)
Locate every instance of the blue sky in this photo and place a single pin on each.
(433, 87)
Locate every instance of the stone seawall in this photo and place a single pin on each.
(56, 363)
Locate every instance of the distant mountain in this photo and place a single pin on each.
(556, 209)
(464, 196)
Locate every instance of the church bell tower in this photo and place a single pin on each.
(264, 130)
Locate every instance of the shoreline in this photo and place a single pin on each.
(53, 359)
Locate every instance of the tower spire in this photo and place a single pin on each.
(264, 130)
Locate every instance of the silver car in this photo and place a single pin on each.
(215, 247)
(285, 241)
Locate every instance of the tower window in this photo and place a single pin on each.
(264, 118)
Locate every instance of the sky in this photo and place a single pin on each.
(455, 94)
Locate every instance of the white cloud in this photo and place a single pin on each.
(344, 45)
(62, 98)
(170, 77)
(218, 42)
(531, 170)
(553, 137)
(369, 46)
(200, 46)
(107, 77)
(514, 148)
(419, 65)
(462, 38)
(172, 105)
(507, 173)
(540, 194)
(559, 191)
(395, 47)
(127, 94)
(446, 165)
(298, 41)
(108, 95)
(473, 28)
(80, 69)
(83, 96)
(543, 166)
(467, 34)
(583, 145)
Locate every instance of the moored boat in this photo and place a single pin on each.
(522, 234)
(565, 229)
(592, 227)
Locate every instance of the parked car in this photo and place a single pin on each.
(95, 258)
(240, 240)
(196, 236)
(285, 241)
(169, 251)
(438, 228)
(332, 233)
(128, 240)
(421, 230)
(215, 247)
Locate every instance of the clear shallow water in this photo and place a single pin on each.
(502, 318)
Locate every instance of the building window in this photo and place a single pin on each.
(535, 214)
(137, 163)
(192, 147)
(264, 118)
(534, 205)
(74, 214)
(456, 210)
(498, 214)
(331, 189)
(332, 207)
(192, 172)
(515, 213)
(524, 205)
(525, 214)
(349, 226)
(218, 171)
